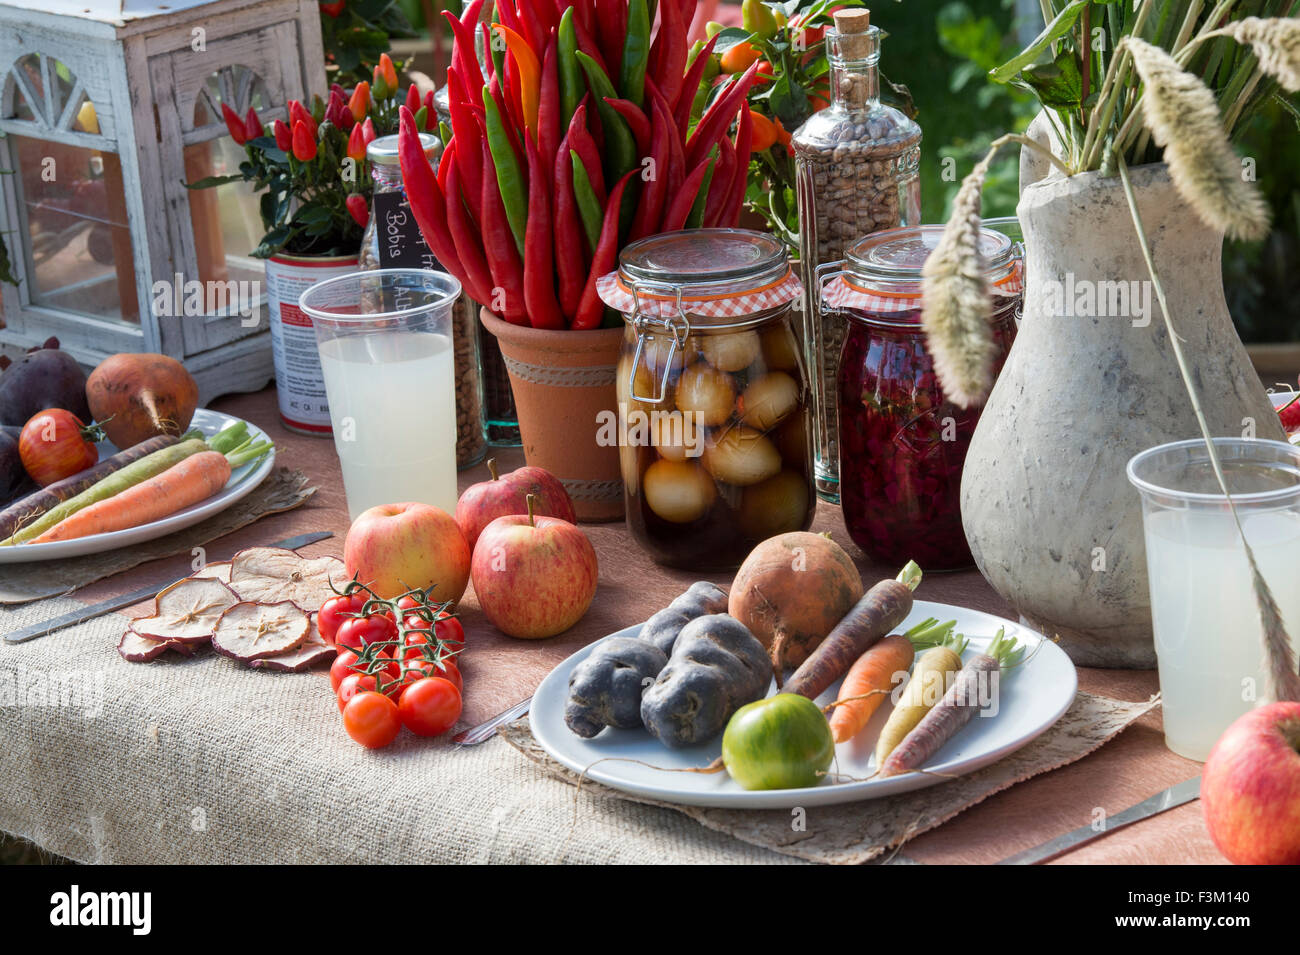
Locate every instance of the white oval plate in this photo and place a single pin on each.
(242, 481)
(1032, 697)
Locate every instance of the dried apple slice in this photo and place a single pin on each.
(313, 652)
(187, 611)
(136, 649)
(249, 631)
(217, 570)
(272, 574)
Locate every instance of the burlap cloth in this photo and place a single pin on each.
(854, 833)
(282, 490)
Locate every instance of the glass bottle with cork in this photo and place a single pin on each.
(856, 168)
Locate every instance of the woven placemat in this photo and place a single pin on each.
(283, 490)
(845, 834)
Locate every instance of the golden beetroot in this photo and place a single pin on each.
(792, 590)
(138, 396)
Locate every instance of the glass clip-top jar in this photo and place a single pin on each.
(713, 395)
(902, 444)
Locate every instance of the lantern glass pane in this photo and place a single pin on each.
(226, 221)
(78, 242)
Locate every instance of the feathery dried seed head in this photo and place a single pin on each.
(1275, 43)
(955, 304)
(1183, 117)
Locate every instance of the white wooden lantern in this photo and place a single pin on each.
(107, 108)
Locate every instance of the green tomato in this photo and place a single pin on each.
(782, 742)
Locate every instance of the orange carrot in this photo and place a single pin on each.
(868, 683)
(194, 479)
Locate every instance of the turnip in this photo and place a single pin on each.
(137, 396)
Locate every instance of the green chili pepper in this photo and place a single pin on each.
(620, 145)
(571, 84)
(696, 217)
(497, 49)
(510, 177)
(589, 209)
(636, 52)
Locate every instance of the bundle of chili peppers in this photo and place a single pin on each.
(315, 201)
(582, 135)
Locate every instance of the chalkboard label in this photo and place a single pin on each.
(401, 246)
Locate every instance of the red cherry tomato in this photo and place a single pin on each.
(447, 671)
(359, 632)
(353, 684)
(347, 663)
(54, 444)
(430, 706)
(450, 631)
(372, 720)
(335, 611)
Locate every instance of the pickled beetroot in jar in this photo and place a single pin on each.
(902, 443)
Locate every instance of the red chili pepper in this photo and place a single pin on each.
(413, 98)
(531, 27)
(570, 259)
(445, 162)
(499, 246)
(478, 277)
(466, 128)
(548, 106)
(669, 52)
(511, 87)
(713, 124)
(426, 200)
(431, 111)
(368, 131)
(298, 114)
(676, 163)
(680, 204)
(587, 42)
(283, 138)
(337, 111)
(744, 137)
(591, 308)
(234, 125)
(611, 21)
(356, 144)
(649, 210)
(332, 10)
(304, 143)
(539, 265)
(463, 56)
(636, 119)
(720, 187)
(358, 208)
(359, 103)
(690, 86)
(580, 141)
(253, 127)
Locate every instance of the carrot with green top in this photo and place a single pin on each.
(930, 677)
(195, 479)
(973, 689)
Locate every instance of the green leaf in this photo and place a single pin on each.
(1059, 27)
(1059, 83)
(729, 37)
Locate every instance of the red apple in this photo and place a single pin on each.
(1250, 787)
(394, 548)
(534, 576)
(483, 503)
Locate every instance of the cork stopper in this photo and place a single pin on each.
(854, 26)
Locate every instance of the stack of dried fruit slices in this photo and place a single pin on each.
(251, 608)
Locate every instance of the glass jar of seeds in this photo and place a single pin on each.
(856, 171)
(713, 401)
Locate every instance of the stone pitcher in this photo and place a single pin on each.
(1090, 381)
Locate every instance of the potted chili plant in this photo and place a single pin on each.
(578, 134)
(315, 185)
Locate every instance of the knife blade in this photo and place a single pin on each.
(74, 617)
(1170, 798)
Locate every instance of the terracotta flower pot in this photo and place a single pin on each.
(562, 380)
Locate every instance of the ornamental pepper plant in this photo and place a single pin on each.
(311, 168)
(581, 133)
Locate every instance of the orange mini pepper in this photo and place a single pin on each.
(359, 102)
(765, 132)
(304, 143)
(530, 73)
(357, 143)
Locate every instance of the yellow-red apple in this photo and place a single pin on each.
(484, 502)
(1250, 787)
(534, 576)
(394, 548)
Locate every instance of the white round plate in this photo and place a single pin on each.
(242, 481)
(1031, 698)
